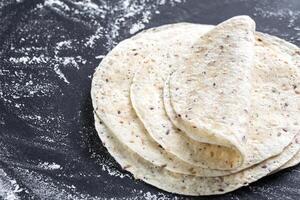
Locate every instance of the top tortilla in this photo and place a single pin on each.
(214, 83)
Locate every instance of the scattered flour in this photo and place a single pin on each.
(9, 188)
(113, 172)
(280, 14)
(60, 74)
(149, 196)
(136, 27)
(66, 43)
(119, 15)
(100, 56)
(49, 166)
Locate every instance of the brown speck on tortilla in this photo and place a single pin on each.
(167, 132)
(163, 166)
(278, 134)
(244, 138)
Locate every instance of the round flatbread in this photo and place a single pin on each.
(111, 96)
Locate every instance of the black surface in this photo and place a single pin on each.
(46, 121)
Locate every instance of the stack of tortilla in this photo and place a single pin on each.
(198, 109)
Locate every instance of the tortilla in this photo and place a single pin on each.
(110, 94)
(111, 100)
(186, 184)
(217, 75)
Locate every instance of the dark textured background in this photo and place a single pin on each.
(49, 49)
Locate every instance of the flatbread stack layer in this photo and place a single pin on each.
(207, 109)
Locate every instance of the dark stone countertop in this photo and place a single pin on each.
(49, 148)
